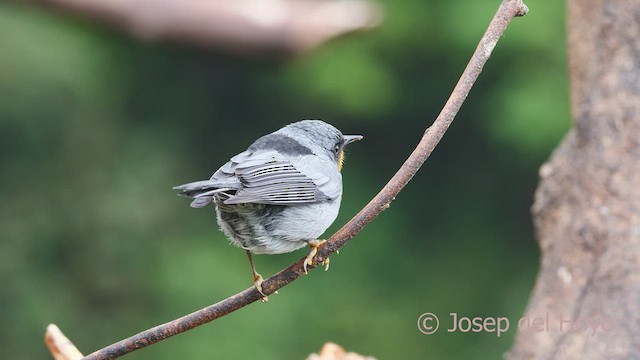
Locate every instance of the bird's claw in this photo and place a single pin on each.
(314, 245)
(257, 282)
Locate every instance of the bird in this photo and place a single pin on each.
(280, 194)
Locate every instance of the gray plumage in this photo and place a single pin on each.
(280, 193)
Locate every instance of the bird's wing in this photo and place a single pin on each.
(268, 178)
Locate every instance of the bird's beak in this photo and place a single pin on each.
(348, 139)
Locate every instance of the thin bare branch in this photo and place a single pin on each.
(239, 27)
(507, 11)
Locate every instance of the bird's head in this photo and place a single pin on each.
(321, 138)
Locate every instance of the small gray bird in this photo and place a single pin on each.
(280, 194)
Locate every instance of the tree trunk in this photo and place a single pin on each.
(587, 206)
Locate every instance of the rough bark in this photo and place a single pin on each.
(587, 206)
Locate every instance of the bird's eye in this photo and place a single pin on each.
(336, 148)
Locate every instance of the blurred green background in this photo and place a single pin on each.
(96, 128)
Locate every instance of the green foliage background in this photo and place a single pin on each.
(96, 128)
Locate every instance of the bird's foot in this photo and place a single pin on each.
(257, 282)
(314, 245)
(257, 278)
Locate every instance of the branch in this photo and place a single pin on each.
(331, 351)
(507, 11)
(60, 347)
(240, 27)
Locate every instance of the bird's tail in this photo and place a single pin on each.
(202, 192)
